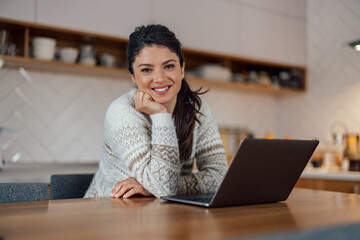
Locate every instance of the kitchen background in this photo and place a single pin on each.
(58, 118)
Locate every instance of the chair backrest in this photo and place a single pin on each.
(64, 186)
(23, 192)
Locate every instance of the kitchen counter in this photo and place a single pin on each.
(42, 172)
(336, 175)
(330, 180)
(17, 173)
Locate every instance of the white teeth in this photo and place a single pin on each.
(161, 89)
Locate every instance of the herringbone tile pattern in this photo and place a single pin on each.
(57, 117)
(333, 74)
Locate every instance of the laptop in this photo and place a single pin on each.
(262, 171)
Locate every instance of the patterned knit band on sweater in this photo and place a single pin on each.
(146, 148)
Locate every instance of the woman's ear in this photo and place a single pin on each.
(133, 79)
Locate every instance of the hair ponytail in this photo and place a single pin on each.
(187, 106)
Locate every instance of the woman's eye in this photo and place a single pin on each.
(170, 66)
(145, 70)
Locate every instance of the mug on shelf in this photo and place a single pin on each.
(44, 48)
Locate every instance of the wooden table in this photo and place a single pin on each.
(151, 218)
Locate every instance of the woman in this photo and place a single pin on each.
(154, 133)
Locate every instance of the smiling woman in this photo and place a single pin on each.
(154, 133)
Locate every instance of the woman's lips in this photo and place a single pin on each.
(161, 90)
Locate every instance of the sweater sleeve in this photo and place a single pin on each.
(149, 151)
(210, 158)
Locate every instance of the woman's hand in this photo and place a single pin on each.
(128, 187)
(144, 103)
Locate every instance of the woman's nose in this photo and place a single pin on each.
(159, 76)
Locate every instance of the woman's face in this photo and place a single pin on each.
(157, 71)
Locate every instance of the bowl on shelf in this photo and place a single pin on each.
(68, 54)
(107, 60)
(44, 48)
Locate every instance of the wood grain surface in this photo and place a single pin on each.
(151, 218)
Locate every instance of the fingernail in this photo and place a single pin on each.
(112, 194)
(125, 196)
(117, 195)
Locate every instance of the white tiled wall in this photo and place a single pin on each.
(57, 117)
(333, 96)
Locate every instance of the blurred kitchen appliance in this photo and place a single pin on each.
(231, 138)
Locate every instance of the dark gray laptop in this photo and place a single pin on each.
(262, 171)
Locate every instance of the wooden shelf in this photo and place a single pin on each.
(22, 33)
(238, 86)
(62, 67)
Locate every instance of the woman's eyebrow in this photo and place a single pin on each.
(170, 60)
(145, 65)
(150, 65)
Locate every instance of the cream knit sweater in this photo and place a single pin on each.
(146, 148)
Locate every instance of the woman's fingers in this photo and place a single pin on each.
(137, 99)
(129, 193)
(116, 188)
(129, 187)
(124, 186)
(124, 189)
(140, 98)
(137, 190)
(147, 97)
(146, 104)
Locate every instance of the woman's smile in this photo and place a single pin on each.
(161, 90)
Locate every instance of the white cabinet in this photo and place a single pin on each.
(112, 17)
(18, 9)
(236, 27)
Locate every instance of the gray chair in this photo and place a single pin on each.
(23, 192)
(65, 186)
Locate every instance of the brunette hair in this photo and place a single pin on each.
(188, 102)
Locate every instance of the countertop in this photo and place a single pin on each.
(324, 174)
(41, 172)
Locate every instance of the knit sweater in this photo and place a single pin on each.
(146, 148)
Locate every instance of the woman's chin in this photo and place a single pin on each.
(163, 100)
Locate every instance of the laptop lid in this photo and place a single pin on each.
(262, 171)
